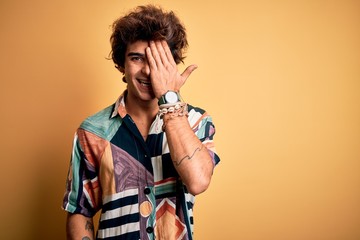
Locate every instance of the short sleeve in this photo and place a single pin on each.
(204, 128)
(83, 193)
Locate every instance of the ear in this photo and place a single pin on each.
(122, 70)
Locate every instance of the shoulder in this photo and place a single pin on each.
(197, 114)
(102, 123)
(201, 123)
(194, 109)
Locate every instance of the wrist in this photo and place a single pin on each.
(173, 113)
(172, 122)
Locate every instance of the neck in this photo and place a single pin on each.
(143, 113)
(143, 109)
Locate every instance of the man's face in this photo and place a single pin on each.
(137, 72)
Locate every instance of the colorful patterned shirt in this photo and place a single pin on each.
(131, 180)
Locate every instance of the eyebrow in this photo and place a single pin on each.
(136, 54)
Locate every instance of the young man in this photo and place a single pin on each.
(142, 160)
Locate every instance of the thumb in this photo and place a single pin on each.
(188, 71)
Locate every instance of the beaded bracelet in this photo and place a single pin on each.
(167, 105)
(179, 111)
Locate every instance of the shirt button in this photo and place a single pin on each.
(149, 229)
(147, 190)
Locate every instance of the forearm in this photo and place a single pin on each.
(79, 227)
(190, 157)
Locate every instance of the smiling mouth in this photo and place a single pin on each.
(144, 83)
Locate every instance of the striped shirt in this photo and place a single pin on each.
(131, 180)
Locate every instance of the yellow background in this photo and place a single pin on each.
(281, 79)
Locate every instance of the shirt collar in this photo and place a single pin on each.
(119, 107)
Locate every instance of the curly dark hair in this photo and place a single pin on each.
(147, 23)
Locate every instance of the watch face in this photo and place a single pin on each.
(171, 97)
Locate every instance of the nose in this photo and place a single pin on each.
(146, 68)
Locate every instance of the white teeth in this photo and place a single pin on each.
(144, 83)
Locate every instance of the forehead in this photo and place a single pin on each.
(137, 47)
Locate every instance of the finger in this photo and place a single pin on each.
(155, 54)
(168, 53)
(162, 53)
(188, 71)
(150, 58)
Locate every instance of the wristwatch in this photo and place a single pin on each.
(170, 97)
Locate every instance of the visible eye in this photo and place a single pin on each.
(137, 59)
